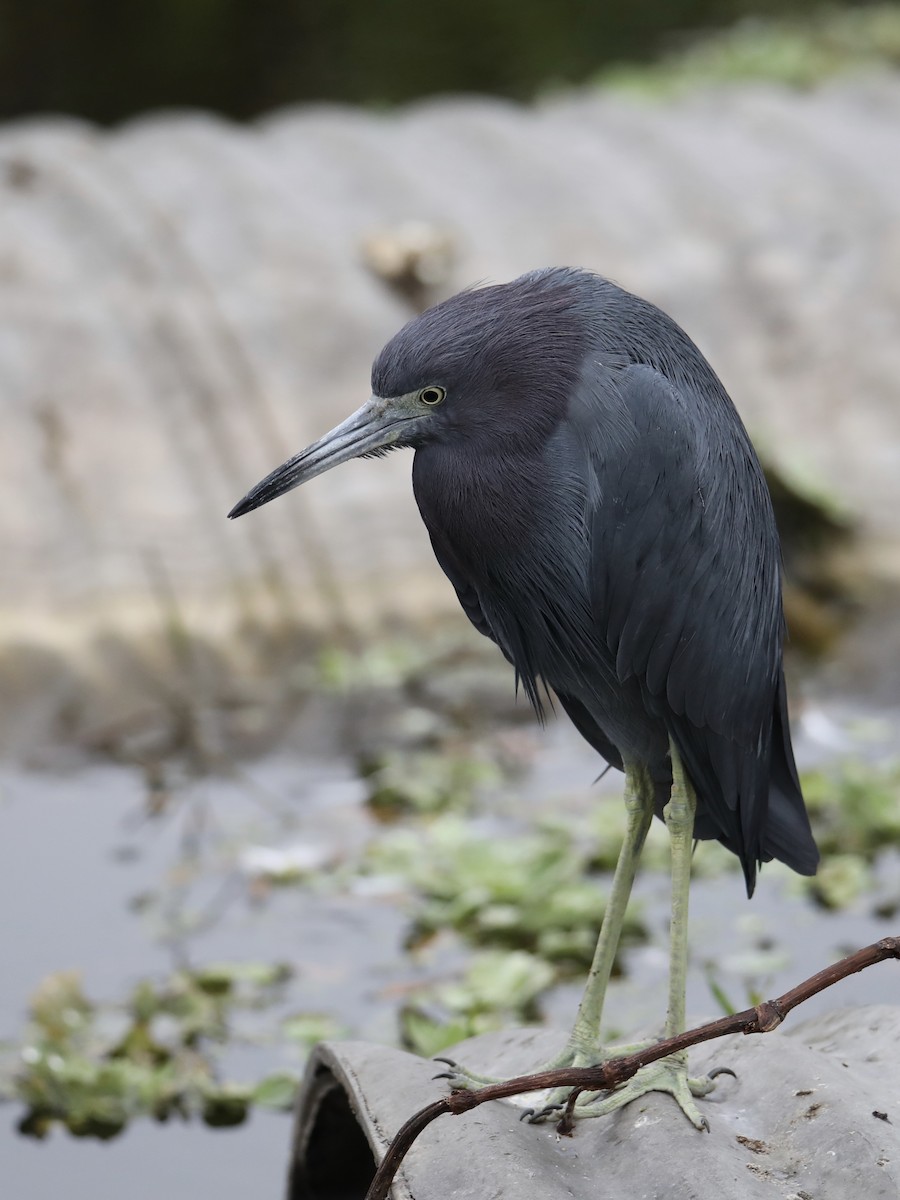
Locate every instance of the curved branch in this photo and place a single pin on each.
(763, 1018)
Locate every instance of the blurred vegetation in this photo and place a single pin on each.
(784, 48)
(510, 889)
(854, 808)
(425, 781)
(107, 61)
(93, 1069)
(528, 892)
(855, 814)
(524, 904)
(499, 988)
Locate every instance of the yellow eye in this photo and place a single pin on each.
(432, 395)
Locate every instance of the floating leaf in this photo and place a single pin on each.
(840, 880)
(59, 1006)
(429, 1035)
(94, 1075)
(425, 781)
(309, 1028)
(224, 1108)
(519, 892)
(498, 988)
(277, 1092)
(220, 978)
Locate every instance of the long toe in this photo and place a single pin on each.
(667, 1075)
(535, 1116)
(461, 1079)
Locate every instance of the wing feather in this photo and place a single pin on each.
(686, 581)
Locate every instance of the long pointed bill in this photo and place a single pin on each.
(375, 426)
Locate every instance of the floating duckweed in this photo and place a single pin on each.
(525, 891)
(426, 782)
(499, 988)
(93, 1069)
(855, 808)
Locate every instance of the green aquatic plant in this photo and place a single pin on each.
(93, 1068)
(425, 781)
(796, 51)
(498, 988)
(841, 880)
(526, 891)
(854, 807)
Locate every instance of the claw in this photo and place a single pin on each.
(445, 1075)
(439, 1058)
(721, 1071)
(538, 1114)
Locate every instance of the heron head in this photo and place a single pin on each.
(497, 361)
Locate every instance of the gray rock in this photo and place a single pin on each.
(801, 1122)
(184, 302)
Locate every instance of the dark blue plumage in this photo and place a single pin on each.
(593, 497)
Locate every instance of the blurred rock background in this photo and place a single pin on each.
(186, 300)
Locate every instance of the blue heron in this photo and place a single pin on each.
(593, 497)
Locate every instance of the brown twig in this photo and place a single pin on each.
(763, 1018)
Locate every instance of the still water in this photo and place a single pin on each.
(89, 882)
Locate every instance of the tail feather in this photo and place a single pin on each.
(788, 836)
(776, 824)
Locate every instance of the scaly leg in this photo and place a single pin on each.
(583, 1047)
(669, 1074)
(584, 1040)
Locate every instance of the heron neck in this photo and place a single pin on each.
(493, 508)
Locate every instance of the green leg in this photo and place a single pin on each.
(585, 1037)
(669, 1074)
(583, 1047)
(679, 814)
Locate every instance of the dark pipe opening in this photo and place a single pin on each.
(332, 1158)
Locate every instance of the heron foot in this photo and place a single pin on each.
(666, 1075)
(461, 1078)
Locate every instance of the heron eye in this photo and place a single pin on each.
(432, 395)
